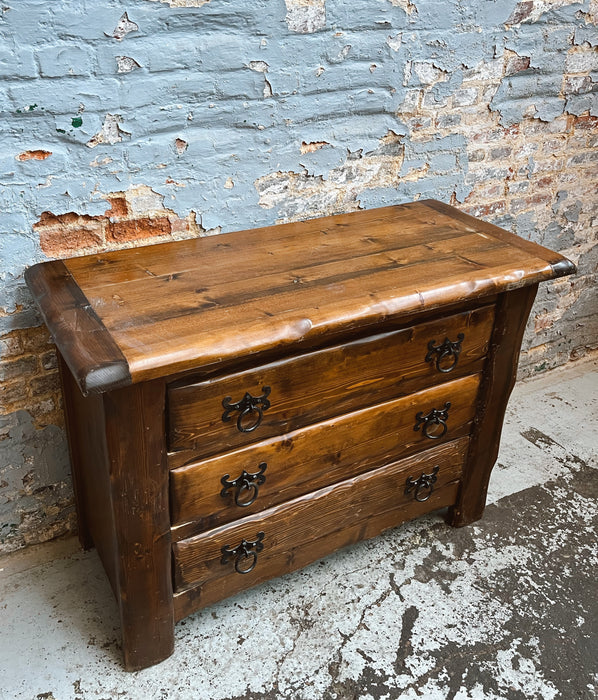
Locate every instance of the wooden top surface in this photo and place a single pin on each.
(131, 315)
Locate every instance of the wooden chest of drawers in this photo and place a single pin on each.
(239, 406)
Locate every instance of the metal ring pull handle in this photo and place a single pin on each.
(246, 486)
(443, 351)
(247, 406)
(423, 486)
(245, 554)
(431, 421)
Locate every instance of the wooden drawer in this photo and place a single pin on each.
(288, 466)
(307, 528)
(296, 392)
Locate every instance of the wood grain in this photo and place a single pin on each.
(318, 385)
(90, 469)
(335, 316)
(309, 527)
(139, 488)
(171, 308)
(561, 266)
(512, 311)
(85, 344)
(317, 456)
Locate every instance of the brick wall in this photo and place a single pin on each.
(127, 123)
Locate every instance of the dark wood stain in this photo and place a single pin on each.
(307, 528)
(316, 456)
(335, 316)
(86, 345)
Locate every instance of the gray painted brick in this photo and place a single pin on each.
(17, 63)
(443, 162)
(59, 61)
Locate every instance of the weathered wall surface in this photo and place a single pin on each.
(128, 123)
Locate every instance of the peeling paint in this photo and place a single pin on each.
(306, 16)
(262, 67)
(134, 215)
(34, 155)
(532, 10)
(125, 26)
(405, 5)
(126, 64)
(36, 500)
(183, 3)
(301, 195)
(312, 147)
(110, 132)
(181, 146)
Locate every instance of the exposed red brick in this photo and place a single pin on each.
(518, 205)
(521, 12)
(546, 181)
(26, 364)
(49, 219)
(516, 63)
(47, 383)
(34, 340)
(585, 122)
(486, 210)
(13, 396)
(180, 145)
(34, 155)
(65, 234)
(135, 229)
(312, 146)
(179, 225)
(119, 208)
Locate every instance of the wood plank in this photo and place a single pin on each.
(86, 345)
(135, 315)
(512, 311)
(216, 291)
(297, 319)
(307, 528)
(139, 485)
(322, 384)
(85, 427)
(561, 266)
(317, 456)
(375, 227)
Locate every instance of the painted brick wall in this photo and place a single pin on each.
(127, 123)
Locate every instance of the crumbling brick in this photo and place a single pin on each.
(137, 229)
(64, 234)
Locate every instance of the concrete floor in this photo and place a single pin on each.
(506, 608)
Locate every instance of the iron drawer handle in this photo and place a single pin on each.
(432, 419)
(445, 349)
(245, 482)
(245, 553)
(247, 405)
(425, 483)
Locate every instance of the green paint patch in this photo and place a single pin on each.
(61, 131)
(541, 368)
(76, 122)
(28, 109)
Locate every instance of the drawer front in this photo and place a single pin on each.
(226, 560)
(227, 412)
(251, 479)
